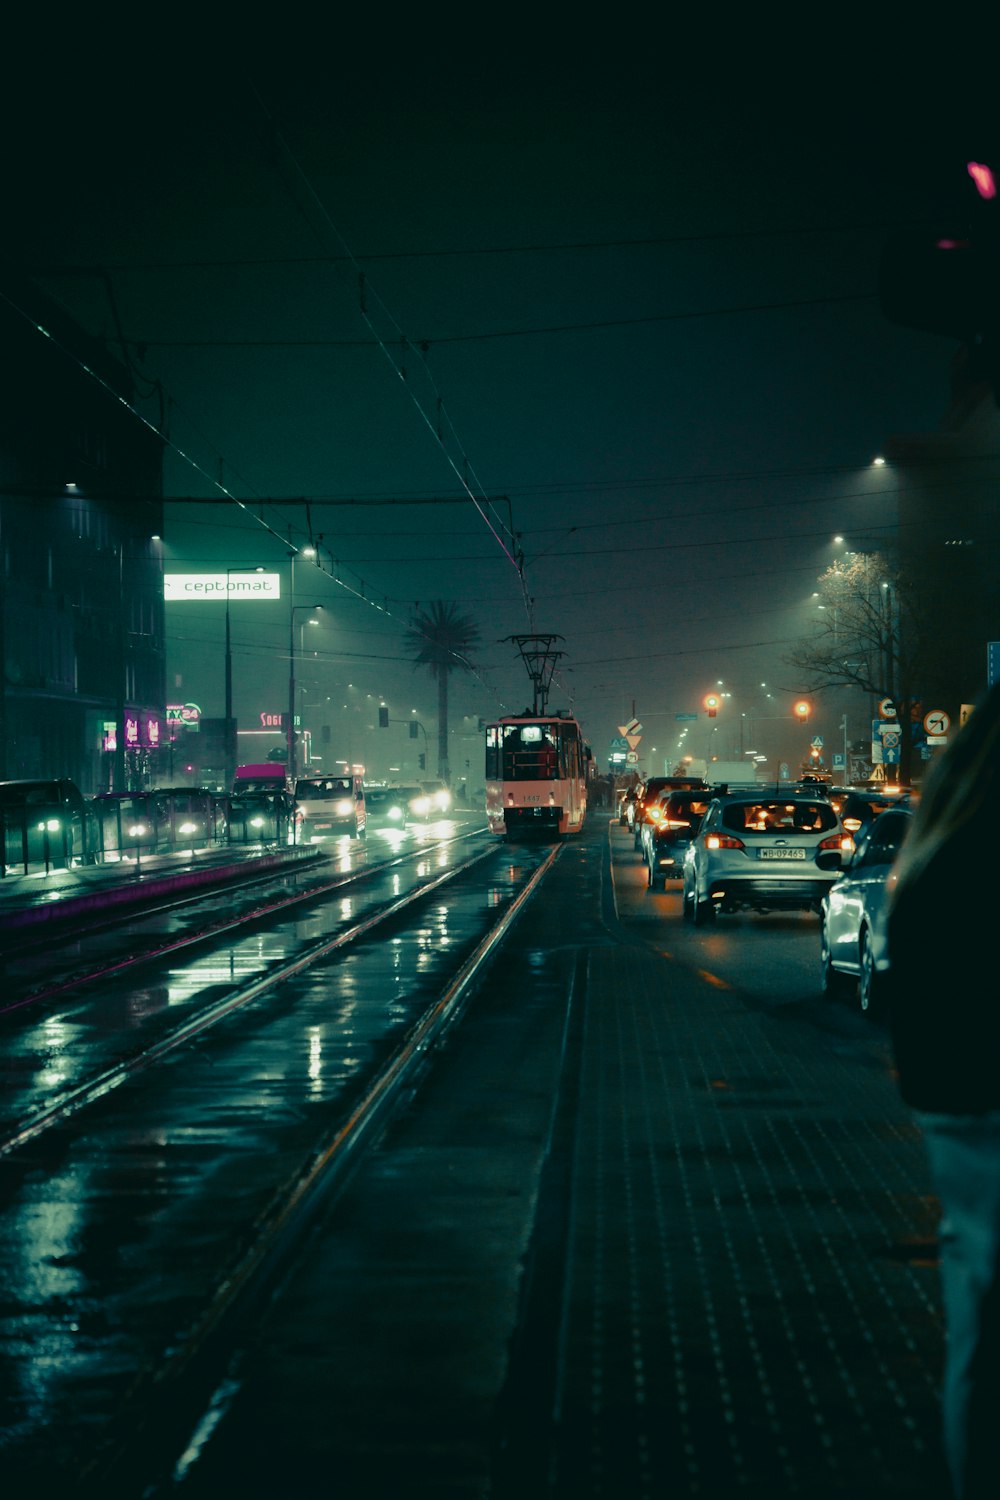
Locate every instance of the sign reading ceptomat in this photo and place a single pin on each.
(181, 588)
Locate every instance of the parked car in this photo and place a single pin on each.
(666, 835)
(854, 911)
(761, 851)
(328, 806)
(46, 822)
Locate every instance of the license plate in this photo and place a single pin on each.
(781, 854)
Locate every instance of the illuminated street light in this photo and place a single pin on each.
(229, 736)
(290, 738)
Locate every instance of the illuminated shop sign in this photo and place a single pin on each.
(186, 715)
(179, 588)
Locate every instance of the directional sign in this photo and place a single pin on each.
(633, 741)
(685, 716)
(937, 722)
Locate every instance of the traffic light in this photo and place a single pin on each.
(383, 717)
(803, 709)
(711, 705)
(943, 279)
(414, 729)
(422, 761)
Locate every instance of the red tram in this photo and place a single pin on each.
(537, 770)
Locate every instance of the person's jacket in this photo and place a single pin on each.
(944, 986)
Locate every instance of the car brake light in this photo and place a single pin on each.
(837, 841)
(723, 841)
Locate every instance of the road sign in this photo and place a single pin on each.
(683, 717)
(887, 709)
(633, 741)
(619, 744)
(817, 743)
(631, 758)
(632, 727)
(937, 722)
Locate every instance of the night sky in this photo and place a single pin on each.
(633, 294)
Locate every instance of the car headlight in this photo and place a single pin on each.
(422, 805)
(344, 809)
(396, 813)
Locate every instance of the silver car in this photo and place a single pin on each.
(854, 911)
(763, 851)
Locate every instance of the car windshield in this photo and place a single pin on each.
(326, 786)
(779, 816)
(681, 812)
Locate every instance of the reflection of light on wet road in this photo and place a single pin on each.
(315, 1061)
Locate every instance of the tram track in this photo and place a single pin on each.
(123, 1071)
(306, 1160)
(311, 888)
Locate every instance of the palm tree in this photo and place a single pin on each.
(439, 639)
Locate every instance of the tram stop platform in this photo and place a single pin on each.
(40, 901)
(656, 1241)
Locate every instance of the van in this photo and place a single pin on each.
(260, 776)
(328, 807)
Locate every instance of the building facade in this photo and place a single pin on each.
(82, 690)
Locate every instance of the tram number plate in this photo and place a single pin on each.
(781, 854)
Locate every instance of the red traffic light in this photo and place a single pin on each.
(711, 704)
(803, 709)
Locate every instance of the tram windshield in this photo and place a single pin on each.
(531, 752)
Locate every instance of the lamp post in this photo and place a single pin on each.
(228, 727)
(295, 609)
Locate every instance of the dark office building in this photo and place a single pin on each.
(82, 690)
(949, 538)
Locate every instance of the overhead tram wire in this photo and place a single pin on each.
(434, 426)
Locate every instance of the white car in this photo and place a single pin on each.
(763, 850)
(853, 948)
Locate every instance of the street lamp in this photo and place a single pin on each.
(295, 609)
(230, 737)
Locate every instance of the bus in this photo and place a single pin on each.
(537, 769)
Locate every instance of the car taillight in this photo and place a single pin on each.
(677, 823)
(723, 841)
(842, 841)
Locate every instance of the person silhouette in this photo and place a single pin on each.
(944, 1009)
